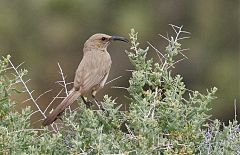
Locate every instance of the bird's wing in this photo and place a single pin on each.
(91, 72)
(93, 79)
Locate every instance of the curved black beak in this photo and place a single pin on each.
(117, 38)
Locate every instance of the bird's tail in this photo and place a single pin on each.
(61, 107)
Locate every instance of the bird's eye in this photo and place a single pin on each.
(103, 38)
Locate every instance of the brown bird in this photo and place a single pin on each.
(91, 73)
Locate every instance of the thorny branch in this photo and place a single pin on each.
(34, 101)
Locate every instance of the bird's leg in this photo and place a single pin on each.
(97, 102)
(87, 103)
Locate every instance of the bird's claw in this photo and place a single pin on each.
(88, 104)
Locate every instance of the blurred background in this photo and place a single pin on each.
(42, 33)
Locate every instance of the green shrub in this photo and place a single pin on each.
(164, 117)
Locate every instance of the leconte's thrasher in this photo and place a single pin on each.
(91, 73)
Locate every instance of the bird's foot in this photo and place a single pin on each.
(100, 106)
(88, 104)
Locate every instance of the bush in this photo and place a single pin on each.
(164, 117)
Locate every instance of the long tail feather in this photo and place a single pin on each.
(61, 107)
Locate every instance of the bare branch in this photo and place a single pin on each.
(156, 50)
(175, 26)
(130, 131)
(113, 79)
(26, 130)
(183, 38)
(183, 55)
(177, 35)
(29, 99)
(63, 79)
(64, 83)
(235, 109)
(19, 65)
(53, 100)
(58, 82)
(43, 94)
(28, 91)
(116, 87)
(176, 63)
(69, 83)
(31, 91)
(7, 69)
(27, 80)
(33, 113)
(164, 37)
(129, 70)
(186, 32)
(174, 29)
(26, 88)
(185, 49)
(61, 97)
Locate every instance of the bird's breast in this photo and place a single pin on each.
(98, 58)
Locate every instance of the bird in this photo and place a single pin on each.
(91, 74)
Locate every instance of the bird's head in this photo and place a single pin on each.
(101, 41)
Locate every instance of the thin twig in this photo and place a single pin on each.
(63, 79)
(19, 65)
(173, 26)
(185, 49)
(116, 87)
(178, 30)
(61, 97)
(53, 100)
(129, 70)
(6, 69)
(177, 35)
(183, 38)
(27, 80)
(69, 83)
(156, 50)
(64, 84)
(235, 109)
(183, 55)
(29, 99)
(26, 88)
(26, 130)
(33, 113)
(28, 91)
(113, 80)
(75, 109)
(186, 32)
(176, 63)
(164, 37)
(130, 131)
(56, 126)
(43, 94)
